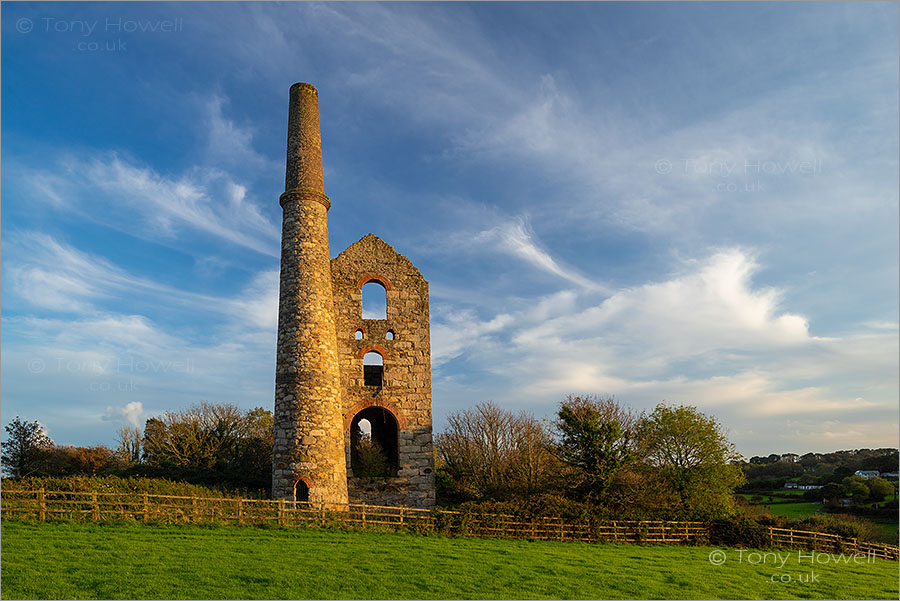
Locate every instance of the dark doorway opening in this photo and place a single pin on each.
(301, 492)
(374, 437)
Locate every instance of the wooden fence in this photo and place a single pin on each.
(44, 505)
(829, 543)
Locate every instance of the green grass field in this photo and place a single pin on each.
(794, 510)
(803, 509)
(114, 561)
(889, 527)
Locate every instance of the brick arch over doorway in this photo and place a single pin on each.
(365, 403)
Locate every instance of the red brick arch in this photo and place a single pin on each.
(306, 480)
(373, 347)
(373, 277)
(366, 403)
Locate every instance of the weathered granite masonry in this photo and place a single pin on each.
(309, 429)
(406, 390)
(320, 391)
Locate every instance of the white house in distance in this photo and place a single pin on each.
(867, 474)
(795, 485)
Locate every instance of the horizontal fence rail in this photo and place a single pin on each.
(45, 505)
(829, 543)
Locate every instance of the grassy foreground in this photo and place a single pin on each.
(114, 561)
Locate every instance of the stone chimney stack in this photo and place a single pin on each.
(304, 143)
(309, 461)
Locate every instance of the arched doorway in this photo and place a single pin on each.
(374, 443)
(301, 491)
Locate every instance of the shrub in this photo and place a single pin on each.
(155, 486)
(371, 461)
(738, 531)
(844, 525)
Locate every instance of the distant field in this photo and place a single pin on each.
(794, 510)
(889, 527)
(115, 561)
(801, 509)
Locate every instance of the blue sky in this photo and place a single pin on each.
(695, 203)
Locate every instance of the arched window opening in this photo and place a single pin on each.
(301, 492)
(373, 369)
(374, 300)
(374, 443)
(389, 335)
(359, 334)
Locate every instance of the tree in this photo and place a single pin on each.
(66, 460)
(489, 451)
(24, 446)
(879, 488)
(857, 488)
(694, 459)
(129, 445)
(598, 438)
(211, 443)
(198, 437)
(834, 490)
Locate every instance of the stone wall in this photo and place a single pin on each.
(406, 391)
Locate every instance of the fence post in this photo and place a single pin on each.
(146, 507)
(95, 509)
(240, 510)
(42, 505)
(194, 511)
(281, 512)
(322, 513)
(401, 515)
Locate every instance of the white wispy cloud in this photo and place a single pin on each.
(518, 239)
(230, 145)
(204, 200)
(54, 275)
(138, 200)
(707, 335)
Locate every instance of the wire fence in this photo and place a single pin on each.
(47, 505)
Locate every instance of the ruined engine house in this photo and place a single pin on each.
(352, 394)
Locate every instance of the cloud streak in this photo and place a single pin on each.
(517, 239)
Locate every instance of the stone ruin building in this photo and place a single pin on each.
(342, 380)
